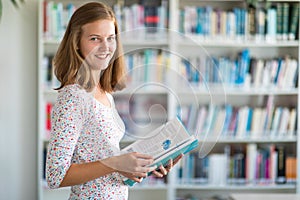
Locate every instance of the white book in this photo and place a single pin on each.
(251, 162)
(217, 171)
(292, 122)
(219, 124)
(271, 25)
(255, 122)
(258, 73)
(262, 123)
(290, 74)
(192, 117)
(202, 113)
(274, 166)
(275, 122)
(242, 122)
(284, 119)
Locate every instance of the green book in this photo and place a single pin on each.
(279, 19)
(285, 21)
(294, 21)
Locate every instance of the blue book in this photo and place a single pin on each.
(243, 64)
(200, 21)
(164, 143)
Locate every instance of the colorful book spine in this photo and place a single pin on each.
(279, 20)
(285, 20)
(281, 165)
(151, 17)
(271, 24)
(294, 22)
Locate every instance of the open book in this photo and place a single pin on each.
(164, 143)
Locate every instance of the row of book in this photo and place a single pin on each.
(242, 71)
(277, 22)
(56, 16)
(149, 65)
(280, 21)
(154, 65)
(49, 80)
(259, 165)
(148, 14)
(213, 121)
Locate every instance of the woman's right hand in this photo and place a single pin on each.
(132, 165)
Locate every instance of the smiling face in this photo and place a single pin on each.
(98, 43)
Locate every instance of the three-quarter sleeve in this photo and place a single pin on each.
(66, 120)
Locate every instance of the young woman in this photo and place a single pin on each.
(86, 129)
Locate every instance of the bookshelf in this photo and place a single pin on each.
(234, 147)
(138, 45)
(159, 95)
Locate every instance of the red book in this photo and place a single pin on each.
(48, 116)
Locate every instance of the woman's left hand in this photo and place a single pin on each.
(164, 170)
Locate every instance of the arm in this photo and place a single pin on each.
(81, 173)
(67, 121)
(131, 165)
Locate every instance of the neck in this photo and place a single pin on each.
(96, 76)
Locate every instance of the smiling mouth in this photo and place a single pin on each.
(102, 55)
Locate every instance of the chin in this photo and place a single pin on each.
(100, 65)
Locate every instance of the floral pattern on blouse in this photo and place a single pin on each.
(84, 130)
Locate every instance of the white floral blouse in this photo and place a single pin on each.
(84, 130)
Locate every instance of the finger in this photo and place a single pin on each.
(144, 162)
(163, 170)
(140, 174)
(157, 174)
(137, 179)
(170, 165)
(176, 160)
(146, 169)
(144, 156)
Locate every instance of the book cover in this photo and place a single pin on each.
(294, 22)
(271, 24)
(279, 21)
(151, 15)
(251, 20)
(291, 169)
(285, 20)
(281, 167)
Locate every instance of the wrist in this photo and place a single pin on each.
(109, 163)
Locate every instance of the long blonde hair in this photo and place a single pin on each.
(69, 65)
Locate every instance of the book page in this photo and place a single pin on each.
(162, 140)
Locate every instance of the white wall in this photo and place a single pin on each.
(18, 101)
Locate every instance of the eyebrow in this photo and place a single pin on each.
(101, 36)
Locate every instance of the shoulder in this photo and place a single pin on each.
(72, 94)
(110, 98)
(72, 90)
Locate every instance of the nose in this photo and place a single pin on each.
(104, 44)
